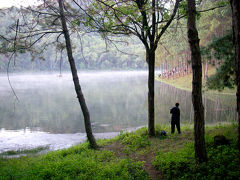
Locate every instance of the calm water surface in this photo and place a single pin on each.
(48, 113)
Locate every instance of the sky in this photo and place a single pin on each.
(17, 3)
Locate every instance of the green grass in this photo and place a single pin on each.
(185, 83)
(226, 96)
(171, 154)
(78, 162)
(174, 154)
(25, 151)
(135, 140)
(179, 162)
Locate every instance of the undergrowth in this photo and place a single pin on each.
(25, 151)
(135, 140)
(78, 162)
(174, 156)
(222, 160)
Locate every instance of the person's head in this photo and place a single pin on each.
(177, 104)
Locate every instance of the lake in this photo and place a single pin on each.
(48, 113)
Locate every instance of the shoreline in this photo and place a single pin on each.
(47, 148)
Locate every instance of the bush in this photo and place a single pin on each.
(135, 140)
(222, 163)
(78, 162)
(174, 163)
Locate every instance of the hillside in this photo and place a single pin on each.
(227, 96)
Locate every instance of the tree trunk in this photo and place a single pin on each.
(206, 69)
(203, 70)
(78, 90)
(161, 70)
(199, 141)
(151, 74)
(235, 4)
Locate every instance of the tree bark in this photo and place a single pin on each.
(203, 69)
(206, 69)
(199, 141)
(151, 74)
(78, 89)
(235, 4)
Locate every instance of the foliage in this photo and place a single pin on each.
(174, 50)
(77, 162)
(213, 23)
(135, 140)
(90, 50)
(180, 164)
(174, 163)
(148, 21)
(95, 54)
(139, 139)
(25, 151)
(175, 159)
(222, 50)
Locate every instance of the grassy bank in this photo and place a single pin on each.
(185, 83)
(132, 156)
(78, 162)
(226, 96)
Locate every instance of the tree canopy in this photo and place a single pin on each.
(221, 48)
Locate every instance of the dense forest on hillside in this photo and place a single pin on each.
(174, 51)
(93, 52)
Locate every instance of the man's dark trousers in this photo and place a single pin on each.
(177, 124)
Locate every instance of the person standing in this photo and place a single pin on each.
(175, 119)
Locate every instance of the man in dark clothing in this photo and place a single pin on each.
(175, 119)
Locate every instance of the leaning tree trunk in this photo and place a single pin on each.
(235, 4)
(78, 90)
(199, 145)
(151, 74)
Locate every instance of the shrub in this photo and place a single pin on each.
(135, 140)
(222, 163)
(174, 163)
(78, 162)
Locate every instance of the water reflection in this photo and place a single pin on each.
(48, 106)
(115, 100)
(217, 108)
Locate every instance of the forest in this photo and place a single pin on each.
(88, 89)
(92, 52)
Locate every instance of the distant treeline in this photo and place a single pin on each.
(90, 51)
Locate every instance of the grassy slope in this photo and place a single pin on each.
(125, 157)
(78, 162)
(185, 83)
(227, 96)
(178, 162)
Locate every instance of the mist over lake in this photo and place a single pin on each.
(48, 113)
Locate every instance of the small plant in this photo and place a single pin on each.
(222, 162)
(135, 140)
(25, 151)
(78, 162)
